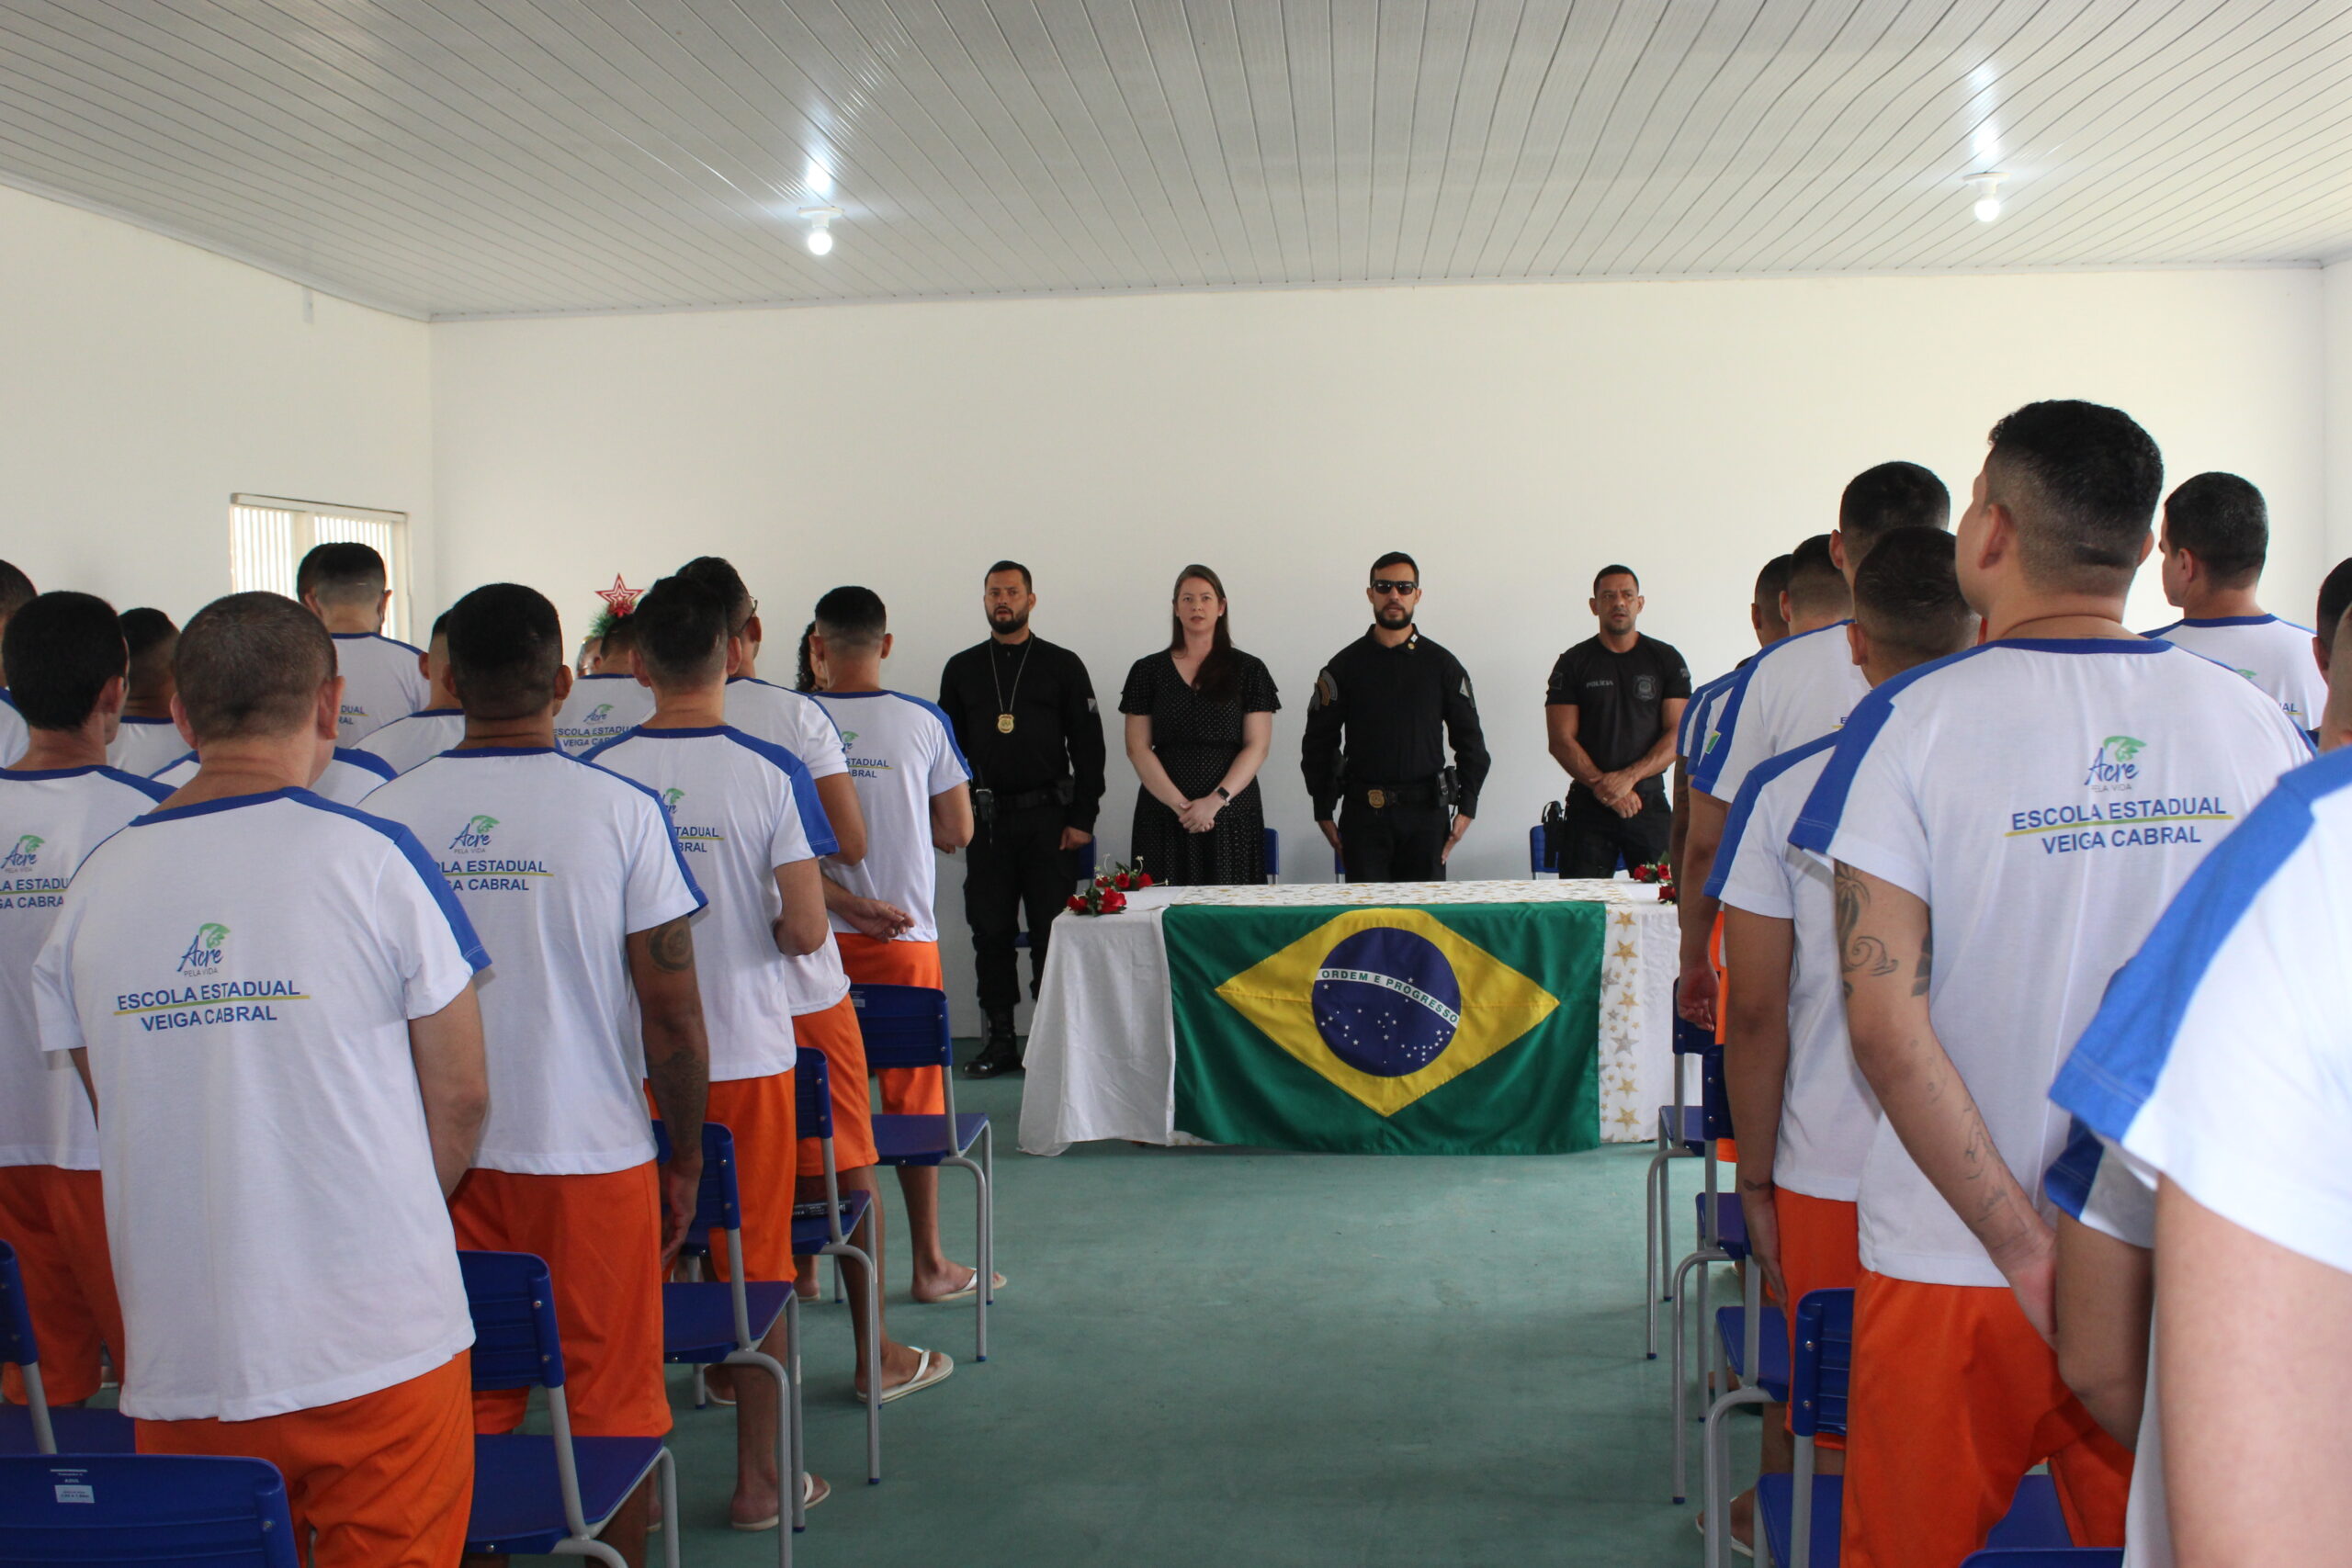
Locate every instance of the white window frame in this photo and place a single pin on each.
(269, 535)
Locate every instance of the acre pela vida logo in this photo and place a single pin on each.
(26, 852)
(475, 834)
(203, 954)
(2113, 767)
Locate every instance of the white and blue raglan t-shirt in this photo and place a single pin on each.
(145, 746)
(1696, 716)
(794, 721)
(902, 751)
(350, 776)
(742, 808)
(2275, 655)
(2101, 1187)
(558, 863)
(243, 973)
(1829, 1115)
(15, 733)
(601, 708)
(2045, 798)
(403, 743)
(382, 681)
(50, 820)
(1797, 690)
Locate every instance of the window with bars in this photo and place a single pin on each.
(268, 536)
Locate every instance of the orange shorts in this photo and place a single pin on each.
(1820, 1250)
(834, 1032)
(906, 1091)
(601, 1236)
(758, 1112)
(56, 1218)
(1953, 1398)
(386, 1479)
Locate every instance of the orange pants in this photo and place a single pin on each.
(387, 1480)
(834, 1032)
(601, 1236)
(870, 961)
(1820, 1250)
(56, 1218)
(1953, 1398)
(758, 1112)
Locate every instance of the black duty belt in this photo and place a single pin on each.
(1030, 799)
(1380, 798)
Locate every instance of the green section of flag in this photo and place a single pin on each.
(1518, 1073)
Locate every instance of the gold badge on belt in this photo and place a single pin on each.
(1375, 798)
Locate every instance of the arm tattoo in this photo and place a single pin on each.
(1856, 952)
(671, 946)
(1926, 972)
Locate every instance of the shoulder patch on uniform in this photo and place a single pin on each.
(1465, 687)
(1326, 689)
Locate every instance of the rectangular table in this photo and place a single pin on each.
(1102, 1053)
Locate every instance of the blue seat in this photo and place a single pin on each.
(544, 1492)
(33, 1427)
(1800, 1514)
(1771, 1348)
(200, 1510)
(906, 1027)
(822, 1229)
(710, 1323)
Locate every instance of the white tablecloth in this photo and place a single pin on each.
(1101, 1054)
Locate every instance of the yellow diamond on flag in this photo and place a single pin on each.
(1387, 1004)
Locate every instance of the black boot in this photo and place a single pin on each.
(1000, 1053)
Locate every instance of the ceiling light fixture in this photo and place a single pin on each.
(1986, 184)
(820, 237)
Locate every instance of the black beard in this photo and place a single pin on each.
(1015, 625)
(1404, 617)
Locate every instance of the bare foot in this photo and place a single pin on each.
(807, 1283)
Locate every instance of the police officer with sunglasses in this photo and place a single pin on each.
(1377, 731)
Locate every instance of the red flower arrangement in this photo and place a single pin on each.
(1108, 896)
(1660, 874)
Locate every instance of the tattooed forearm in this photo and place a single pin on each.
(672, 947)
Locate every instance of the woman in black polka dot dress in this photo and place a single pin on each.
(1200, 718)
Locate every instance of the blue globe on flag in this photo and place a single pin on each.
(1386, 1001)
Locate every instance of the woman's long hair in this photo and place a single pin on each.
(804, 674)
(1220, 673)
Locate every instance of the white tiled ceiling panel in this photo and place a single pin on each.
(453, 158)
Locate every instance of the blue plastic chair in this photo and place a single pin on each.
(906, 1027)
(1682, 1134)
(192, 1510)
(822, 1229)
(552, 1492)
(1799, 1515)
(1752, 1335)
(715, 1323)
(1273, 856)
(1540, 862)
(33, 1427)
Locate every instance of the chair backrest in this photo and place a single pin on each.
(1691, 1039)
(17, 1345)
(812, 1095)
(904, 1026)
(719, 1204)
(1825, 1355)
(1273, 855)
(1540, 858)
(2045, 1557)
(200, 1510)
(513, 1302)
(1715, 1094)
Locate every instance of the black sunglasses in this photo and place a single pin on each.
(1387, 586)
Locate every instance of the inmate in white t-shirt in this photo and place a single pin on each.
(1829, 1115)
(2096, 1184)
(742, 808)
(902, 752)
(2275, 655)
(145, 746)
(382, 681)
(243, 973)
(2045, 798)
(791, 719)
(1698, 715)
(350, 776)
(601, 708)
(15, 733)
(558, 863)
(403, 743)
(1800, 688)
(49, 820)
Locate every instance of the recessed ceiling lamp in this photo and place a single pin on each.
(821, 236)
(1986, 184)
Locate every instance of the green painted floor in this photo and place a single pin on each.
(1217, 1356)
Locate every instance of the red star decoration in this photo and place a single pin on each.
(620, 596)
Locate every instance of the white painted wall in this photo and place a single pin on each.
(2335, 339)
(145, 381)
(1513, 438)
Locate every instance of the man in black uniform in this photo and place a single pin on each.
(1389, 701)
(1024, 714)
(1612, 710)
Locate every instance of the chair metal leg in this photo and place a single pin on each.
(873, 1357)
(985, 1266)
(1651, 1263)
(1801, 1507)
(37, 1399)
(800, 1443)
(1676, 1367)
(588, 1546)
(1714, 1471)
(667, 1469)
(787, 1442)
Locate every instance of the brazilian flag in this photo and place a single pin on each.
(1449, 1029)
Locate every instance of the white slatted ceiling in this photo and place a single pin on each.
(463, 157)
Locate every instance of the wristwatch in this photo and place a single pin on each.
(1223, 794)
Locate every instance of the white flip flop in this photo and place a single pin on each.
(963, 1295)
(935, 1367)
(814, 1489)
